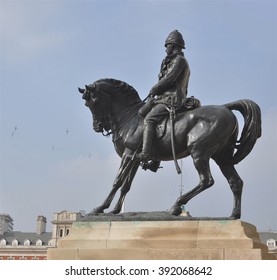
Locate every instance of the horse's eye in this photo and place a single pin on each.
(86, 96)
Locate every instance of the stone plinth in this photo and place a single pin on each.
(150, 239)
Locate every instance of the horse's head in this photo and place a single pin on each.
(111, 102)
(99, 107)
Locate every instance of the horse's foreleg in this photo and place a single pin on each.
(128, 179)
(107, 202)
(206, 181)
(125, 163)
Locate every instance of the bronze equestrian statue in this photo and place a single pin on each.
(180, 127)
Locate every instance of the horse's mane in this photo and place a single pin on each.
(120, 89)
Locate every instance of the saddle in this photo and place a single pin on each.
(188, 104)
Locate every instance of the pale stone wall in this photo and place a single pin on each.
(190, 240)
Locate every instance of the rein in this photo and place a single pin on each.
(133, 114)
(129, 118)
(120, 115)
(111, 131)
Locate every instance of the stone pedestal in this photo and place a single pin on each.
(161, 240)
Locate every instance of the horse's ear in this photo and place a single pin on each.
(81, 90)
(90, 87)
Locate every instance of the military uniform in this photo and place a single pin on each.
(171, 90)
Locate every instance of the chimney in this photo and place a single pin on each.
(41, 224)
(6, 223)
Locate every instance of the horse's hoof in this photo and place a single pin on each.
(175, 210)
(236, 216)
(114, 211)
(97, 210)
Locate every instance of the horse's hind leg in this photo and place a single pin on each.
(236, 185)
(206, 181)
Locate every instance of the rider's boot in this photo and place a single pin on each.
(152, 165)
(148, 134)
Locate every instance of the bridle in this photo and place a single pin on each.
(105, 118)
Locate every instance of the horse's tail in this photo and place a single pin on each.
(252, 127)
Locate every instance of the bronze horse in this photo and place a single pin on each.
(203, 133)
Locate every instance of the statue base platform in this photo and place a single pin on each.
(143, 237)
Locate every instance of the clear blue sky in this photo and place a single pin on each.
(52, 160)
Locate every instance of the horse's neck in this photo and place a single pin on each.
(124, 117)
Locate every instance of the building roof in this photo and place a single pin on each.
(264, 236)
(22, 236)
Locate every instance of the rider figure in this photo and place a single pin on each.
(171, 89)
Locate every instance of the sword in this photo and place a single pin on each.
(172, 113)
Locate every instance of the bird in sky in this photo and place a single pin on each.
(14, 131)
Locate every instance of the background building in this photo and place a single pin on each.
(17, 245)
(270, 239)
(62, 224)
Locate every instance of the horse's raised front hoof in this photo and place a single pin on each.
(175, 210)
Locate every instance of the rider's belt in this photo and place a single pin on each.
(169, 101)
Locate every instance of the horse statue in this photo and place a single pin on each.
(204, 133)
